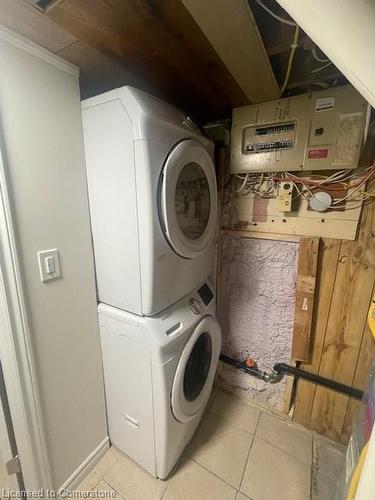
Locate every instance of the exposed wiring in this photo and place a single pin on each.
(352, 183)
(243, 184)
(351, 192)
(316, 70)
(275, 16)
(293, 48)
(319, 59)
(293, 45)
(322, 85)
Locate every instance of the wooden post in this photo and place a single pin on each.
(305, 290)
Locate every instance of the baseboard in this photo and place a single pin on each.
(85, 467)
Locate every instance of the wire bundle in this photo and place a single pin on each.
(294, 46)
(265, 185)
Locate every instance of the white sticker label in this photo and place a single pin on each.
(348, 139)
(325, 104)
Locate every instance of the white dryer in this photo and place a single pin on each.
(158, 375)
(152, 193)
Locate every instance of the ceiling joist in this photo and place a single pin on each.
(231, 29)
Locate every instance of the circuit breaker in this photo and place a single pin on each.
(318, 131)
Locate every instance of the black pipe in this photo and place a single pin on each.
(272, 378)
(283, 368)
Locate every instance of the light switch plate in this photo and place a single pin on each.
(49, 265)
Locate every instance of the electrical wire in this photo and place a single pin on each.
(319, 59)
(293, 45)
(275, 16)
(265, 185)
(350, 194)
(316, 70)
(293, 48)
(243, 184)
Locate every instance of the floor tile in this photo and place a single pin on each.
(323, 487)
(105, 487)
(272, 473)
(90, 481)
(107, 460)
(220, 448)
(241, 496)
(132, 482)
(286, 436)
(193, 482)
(215, 391)
(329, 458)
(236, 412)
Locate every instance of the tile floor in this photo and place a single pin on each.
(239, 452)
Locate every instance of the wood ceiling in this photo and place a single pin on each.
(160, 44)
(205, 56)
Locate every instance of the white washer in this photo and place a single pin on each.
(152, 192)
(158, 375)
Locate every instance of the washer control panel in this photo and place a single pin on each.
(195, 306)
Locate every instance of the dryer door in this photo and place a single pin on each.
(188, 199)
(196, 370)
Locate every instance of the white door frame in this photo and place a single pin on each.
(6, 448)
(16, 353)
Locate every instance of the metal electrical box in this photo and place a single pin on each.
(318, 131)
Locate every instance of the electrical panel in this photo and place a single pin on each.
(318, 131)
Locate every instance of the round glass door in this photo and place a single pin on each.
(197, 367)
(188, 199)
(196, 370)
(192, 201)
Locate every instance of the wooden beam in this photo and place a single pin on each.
(231, 29)
(161, 45)
(305, 290)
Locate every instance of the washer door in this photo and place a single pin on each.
(196, 370)
(188, 199)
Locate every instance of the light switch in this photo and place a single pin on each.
(49, 265)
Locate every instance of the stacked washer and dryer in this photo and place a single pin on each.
(152, 194)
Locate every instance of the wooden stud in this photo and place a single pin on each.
(237, 233)
(305, 290)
